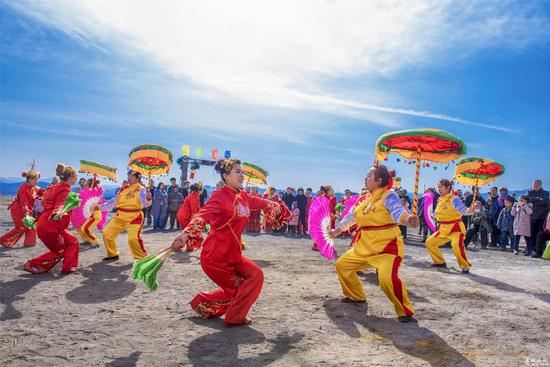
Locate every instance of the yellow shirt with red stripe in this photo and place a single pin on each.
(378, 232)
(448, 212)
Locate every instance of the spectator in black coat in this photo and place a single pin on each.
(288, 198)
(302, 200)
(540, 200)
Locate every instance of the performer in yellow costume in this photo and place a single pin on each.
(85, 232)
(377, 243)
(129, 202)
(449, 212)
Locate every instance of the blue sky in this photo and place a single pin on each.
(301, 89)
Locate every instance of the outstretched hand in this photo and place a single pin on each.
(180, 241)
(335, 232)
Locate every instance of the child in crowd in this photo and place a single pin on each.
(294, 219)
(505, 224)
(521, 212)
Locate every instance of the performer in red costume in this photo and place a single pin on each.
(52, 227)
(188, 209)
(22, 206)
(255, 220)
(239, 278)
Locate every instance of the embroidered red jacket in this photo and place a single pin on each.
(227, 212)
(24, 201)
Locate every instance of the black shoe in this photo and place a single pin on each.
(465, 271)
(110, 258)
(406, 319)
(536, 256)
(444, 265)
(348, 300)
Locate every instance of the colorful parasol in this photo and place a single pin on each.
(89, 198)
(150, 160)
(319, 226)
(475, 171)
(420, 145)
(98, 169)
(254, 174)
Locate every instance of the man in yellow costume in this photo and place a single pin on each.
(129, 202)
(449, 212)
(378, 243)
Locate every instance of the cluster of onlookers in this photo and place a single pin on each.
(167, 200)
(503, 220)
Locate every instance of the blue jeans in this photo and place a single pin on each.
(505, 238)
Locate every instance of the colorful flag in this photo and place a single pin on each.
(227, 154)
(214, 154)
(185, 149)
(198, 152)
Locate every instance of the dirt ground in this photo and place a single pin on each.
(496, 316)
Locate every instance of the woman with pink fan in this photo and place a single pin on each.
(86, 217)
(323, 207)
(377, 243)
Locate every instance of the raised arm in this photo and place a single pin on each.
(397, 211)
(460, 207)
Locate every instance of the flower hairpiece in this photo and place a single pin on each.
(228, 164)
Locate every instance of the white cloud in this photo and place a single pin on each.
(276, 53)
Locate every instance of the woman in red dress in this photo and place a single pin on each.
(239, 278)
(22, 206)
(254, 222)
(188, 209)
(52, 227)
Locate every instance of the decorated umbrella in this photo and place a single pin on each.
(150, 160)
(420, 145)
(475, 171)
(254, 173)
(98, 169)
(319, 226)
